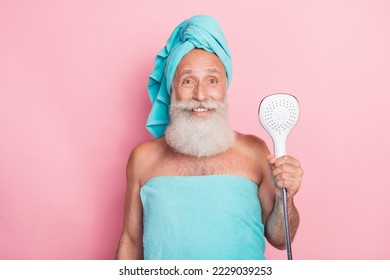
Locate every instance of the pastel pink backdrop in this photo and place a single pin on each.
(73, 104)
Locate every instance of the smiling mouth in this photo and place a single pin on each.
(200, 110)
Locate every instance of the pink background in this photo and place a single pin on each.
(73, 104)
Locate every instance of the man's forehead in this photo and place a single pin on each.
(199, 59)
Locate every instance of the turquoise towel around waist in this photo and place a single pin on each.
(202, 217)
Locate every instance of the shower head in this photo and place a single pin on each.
(278, 114)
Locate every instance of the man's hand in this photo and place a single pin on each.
(286, 172)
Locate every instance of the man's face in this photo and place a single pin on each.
(201, 76)
(198, 112)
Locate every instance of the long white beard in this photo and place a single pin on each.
(199, 136)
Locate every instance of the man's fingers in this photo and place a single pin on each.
(287, 168)
(284, 160)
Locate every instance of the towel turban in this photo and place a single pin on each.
(202, 32)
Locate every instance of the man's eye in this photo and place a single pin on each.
(187, 82)
(213, 81)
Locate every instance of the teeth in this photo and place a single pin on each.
(200, 109)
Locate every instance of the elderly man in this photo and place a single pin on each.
(201, 190)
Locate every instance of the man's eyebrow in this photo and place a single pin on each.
(213, 70)
(189, 71)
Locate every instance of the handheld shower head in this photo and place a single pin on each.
(278, 114)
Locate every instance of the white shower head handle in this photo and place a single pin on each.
(278, 114)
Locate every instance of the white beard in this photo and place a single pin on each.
(199, 136)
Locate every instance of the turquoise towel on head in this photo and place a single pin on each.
(215, 217)
(197, 32)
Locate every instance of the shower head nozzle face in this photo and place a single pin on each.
(279, 113)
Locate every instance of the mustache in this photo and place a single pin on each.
(192, 104)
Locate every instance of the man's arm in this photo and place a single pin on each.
(285, 172)
(130, 245)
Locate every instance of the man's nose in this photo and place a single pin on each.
(200, 93)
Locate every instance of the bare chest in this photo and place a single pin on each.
(228, 164)
(197, 167)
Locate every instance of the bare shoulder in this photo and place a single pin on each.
(143, 158)
(252, 152)
(251, 144)
(145, 151)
